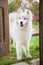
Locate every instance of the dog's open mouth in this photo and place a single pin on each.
(21, 25)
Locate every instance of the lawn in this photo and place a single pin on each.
(11, 57)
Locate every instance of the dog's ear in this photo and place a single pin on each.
(21, 10)
(27, 12)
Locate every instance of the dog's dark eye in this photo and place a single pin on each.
(19, 18)
(24, 18)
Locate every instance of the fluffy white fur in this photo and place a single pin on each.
(21, 34)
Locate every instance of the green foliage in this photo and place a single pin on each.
(13, 6)
(34, 7)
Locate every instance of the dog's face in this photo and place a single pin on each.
(23, 18)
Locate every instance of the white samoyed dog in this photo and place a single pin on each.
(20, 28)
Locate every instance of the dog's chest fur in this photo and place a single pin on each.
(20, 35)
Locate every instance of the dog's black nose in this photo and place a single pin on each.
(21, 23)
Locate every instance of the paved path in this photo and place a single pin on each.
(32, 62)
(21, 63)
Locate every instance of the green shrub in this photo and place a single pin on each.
(13, 6)
(34, 7)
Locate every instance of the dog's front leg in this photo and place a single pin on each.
(19, 50)
(27, 50)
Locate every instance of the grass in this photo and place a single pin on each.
(11, 57)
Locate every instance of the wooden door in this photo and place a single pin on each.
(41, 32)
(4, 28)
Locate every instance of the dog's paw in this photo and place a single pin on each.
(19, 58)
(29, 56)
(10, 49)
